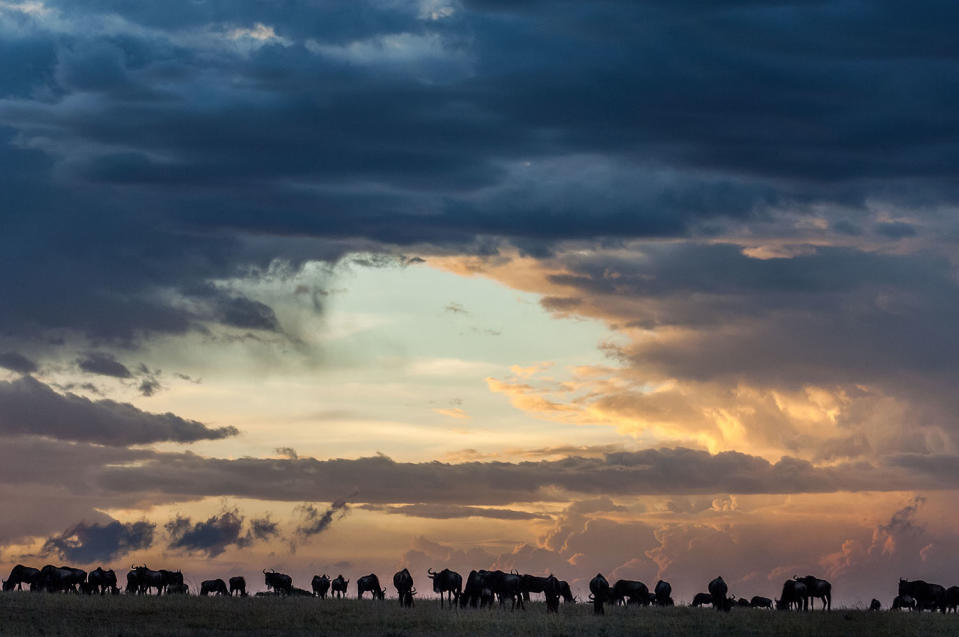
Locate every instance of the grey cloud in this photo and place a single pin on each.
(211, 536)
(451, 511)
(28, 406)
(896, 230)
(314, 522)
(88, 543)
(103, 364)
(246, 313)
(17, 362)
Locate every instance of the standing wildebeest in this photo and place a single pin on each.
(565, 592)
(19, 576)
(321, 584)
(171, 578)
(147, 579)
(54, 579)
(904, 601)
(177, 589)
(663, 591)
(507, 586)
(627, 591)
(952, 599)
(599, 593)
(927, 596)
(532, 584)
(403, 583)
(760, 602)
(794, 592)
(551, 592)
(370, 583)
(702, 598)
(718, 593)
(238, 586)
(875, 604)
(477, 589)
(742, 602)
(279, 582)
(817, 588)
(216, 586)
(338, 586)
(103, 580)
(448, 582)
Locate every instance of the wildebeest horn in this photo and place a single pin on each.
(591, 598)
(431, 572)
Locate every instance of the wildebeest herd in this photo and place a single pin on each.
(482, 589)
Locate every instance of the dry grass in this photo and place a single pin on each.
(42, 614)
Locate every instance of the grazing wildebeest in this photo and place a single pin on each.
(507, 586)
(403, 583)
(370, 583)
(702, 598)
(446, 582)
(321, 584)
(338, 586)
(177, 589)
(599, 593)
(718, 593)
(927, 596)
(171, 578)
(477, 589)
(551, 592)
(300, 592)
(20, 575)
(952, 599)
(54, 579)
(875, 604)
(794, 592)
(663, 591)
(817, 588)
(147, 579)
(760, 602)
(238, 586)
(133, 583)
(279, 582)
(103, 580)
(742, 602)
(88, 589)
(904, 601)
(215, 586)
(627, 591)
(565, 592)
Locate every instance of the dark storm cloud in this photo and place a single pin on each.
(17, 362)
(134, 157)
(103, 364)
(28, 406)
(89, 543)
(212, 536)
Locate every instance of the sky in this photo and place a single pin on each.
(662, 290)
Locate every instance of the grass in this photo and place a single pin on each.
(44, 614)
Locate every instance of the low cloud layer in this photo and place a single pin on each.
(89, 543)
(29, 407)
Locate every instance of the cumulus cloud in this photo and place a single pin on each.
(217, 533)
(88, 543)
(28, 406)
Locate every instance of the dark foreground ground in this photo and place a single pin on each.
(42, 614)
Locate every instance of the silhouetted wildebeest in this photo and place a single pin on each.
(760, 602)
(551, 592)
(599, 593)
(20, 575)
(403, 583)
(133, 583)
(300, 592)
(320, 584)
(477, 589)
(904, 601)
(238, 586)
(370, 583)
(875, 604)
(742, 602)
(702, 598)
(817, 589)
(532, 584)
(927, 596)
(794, 593)
(663, 591)
(565, 592)
(213, 586)
(718, 593)
(171, 578)
(278, 582)
(88, 589)
(626, 591)
(446, 582)
(103, 580)
(177, 589)
(507, 586)
(54, 579)
(146, 579)
(338, 586)
(952, 599)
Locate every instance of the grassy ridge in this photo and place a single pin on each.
(42, 614)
